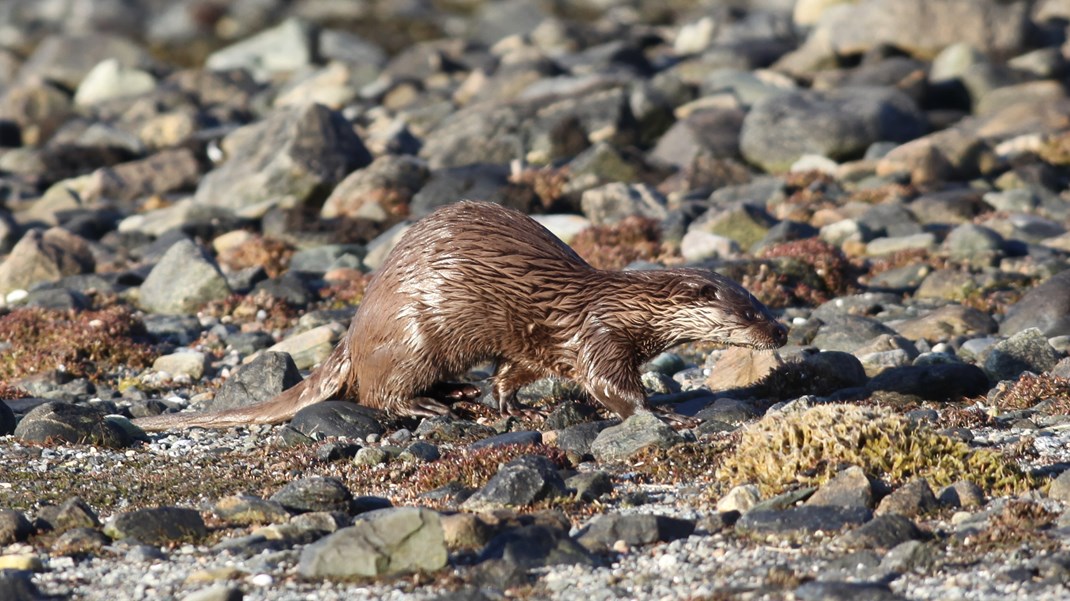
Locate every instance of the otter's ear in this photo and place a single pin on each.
(709, 291)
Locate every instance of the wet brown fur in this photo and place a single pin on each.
(474, 282)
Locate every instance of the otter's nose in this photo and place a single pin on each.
(779, 334)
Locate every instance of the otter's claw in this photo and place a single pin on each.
(676, 420)
(517, 409)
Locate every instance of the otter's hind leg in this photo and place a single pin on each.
(437, 399)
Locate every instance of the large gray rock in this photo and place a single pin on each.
(66, 423)
(946, 322)
(911, 499)
(163, 172)
(713, 133)
(548, 123)
(924, 27)
(882, 532)
(640, 431)
(38, 108)
(281, 49)
(14, 527)
(72, 513)
(44, 257)
(934, 382)
(1046, 307)
(520, 482)
(535, 546)
(839, 124)
(342, 419)
(158, 525)
(850, 488)
(296, 152)
(612, 203)
(260, 380)
(633, 530)
(185, 279)
(17, 585)
(389, 541)
(1027, 350)
(489, 182)
(848, 332)
(380, 191)
(845, 591)
(801, 521)
(314, 494)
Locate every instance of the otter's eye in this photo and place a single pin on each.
(750, 316)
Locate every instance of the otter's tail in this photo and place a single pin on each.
(322, 384)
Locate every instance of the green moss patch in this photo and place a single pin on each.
(809, 447)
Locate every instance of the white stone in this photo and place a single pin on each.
(278, 50)
(885, 246)
(110, 80)
(189, 363)
(808, 12)
(954, 61)
(698, 245)
(815, 162)
(563, 226)
(16, 296)
(694, 37)
(311, 347)
(841, 231)
(740, 498)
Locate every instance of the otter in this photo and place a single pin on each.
(473, 282)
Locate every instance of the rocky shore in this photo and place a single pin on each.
(193, 195)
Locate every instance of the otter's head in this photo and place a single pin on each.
(709, 306)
